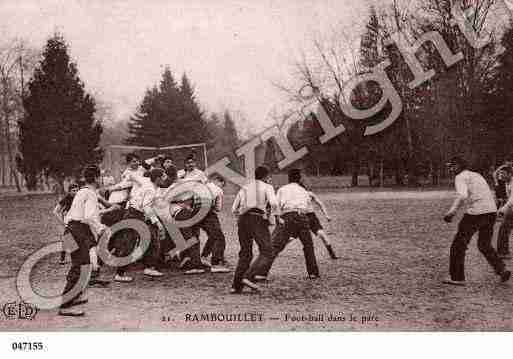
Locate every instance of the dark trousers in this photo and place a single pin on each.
(468, 226)
(252, 227)
(152, 257)
(296, 226)
(216, 242)
(504, 233)
(190, 233)
(126, 241)
(82, 236)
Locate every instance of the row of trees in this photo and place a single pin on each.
(464, 109)
(60, 125)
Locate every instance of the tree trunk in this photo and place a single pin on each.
(370, 173)
(381, 173)
(12, 164)
(399, 180)
(355, 172)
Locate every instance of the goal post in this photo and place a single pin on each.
(114, 158)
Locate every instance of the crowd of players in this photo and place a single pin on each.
(89, 210)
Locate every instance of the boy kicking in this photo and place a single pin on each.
(293, 202)
(315, 224)
(480, 217)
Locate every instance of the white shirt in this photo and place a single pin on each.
(129, 177)
(168, 204)
(144, 199)
(217, 195)
(293, 197)
(85, 209)
(255, 194)
(108, 180)
(477, 194)
(194, 175)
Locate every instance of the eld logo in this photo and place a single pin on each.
(22, 310)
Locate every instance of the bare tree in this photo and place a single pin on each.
(320, 75)
(16, 64)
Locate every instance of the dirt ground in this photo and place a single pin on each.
(394, 253)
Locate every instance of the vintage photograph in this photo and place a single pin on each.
(245, 166)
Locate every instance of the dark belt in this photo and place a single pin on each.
(77, 222)
(255, 212)
(298, 212)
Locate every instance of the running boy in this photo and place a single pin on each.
(293, 202)
(480, 217)
(250, 206)
(315, 224)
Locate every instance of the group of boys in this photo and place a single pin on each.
(88, 211)
(87, 215)
(257, 207)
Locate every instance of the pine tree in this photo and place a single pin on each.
(58, 134)
(194, 126)
(169, 115)
(143, 127)
(230, 136)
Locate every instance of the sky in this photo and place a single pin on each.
(233, 51)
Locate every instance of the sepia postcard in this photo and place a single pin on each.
(251, 166)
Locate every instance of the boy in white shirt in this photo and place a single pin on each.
(216, 242)
(191, 172)
(250, 206)
(480, 217)
(130, 181)
(141, 207)
(293, 205)
(83, 221)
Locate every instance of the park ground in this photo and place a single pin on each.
(394, 253)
